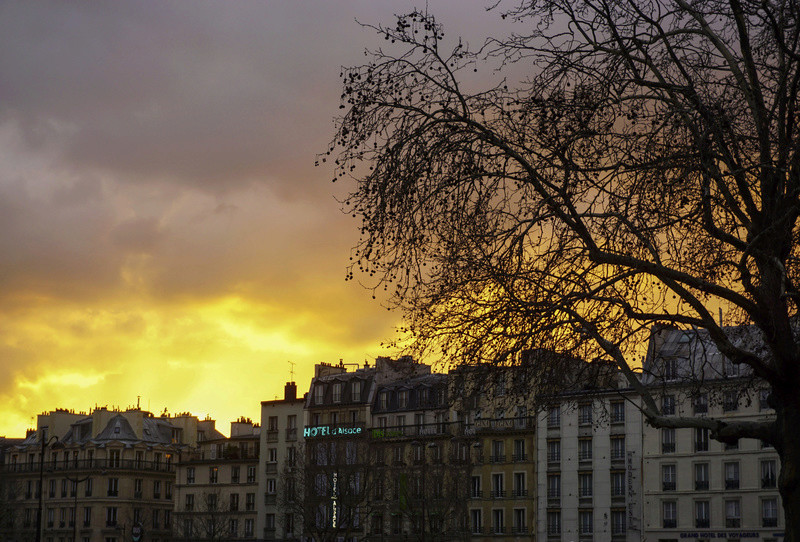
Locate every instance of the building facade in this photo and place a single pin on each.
(101, 475)
(282, 423)
(216, 485)
(696, 487)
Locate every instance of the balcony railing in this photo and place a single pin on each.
(519, 493)
(499, 458)
(701, 523)
(701, 485)
(498, 493)
(519, 457)
(92, 464)
(732, 484)
(733, 522)
(670, 523)
(768, 482)
(769, 522)
(668, 485)
(667, 447)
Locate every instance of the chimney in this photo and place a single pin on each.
(290, 391)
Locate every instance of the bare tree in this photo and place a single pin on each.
(644, 172)
(327, 490)
(209, 519)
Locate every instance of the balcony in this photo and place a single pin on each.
(519, 529)
(701, 523)
(701, 485)
(498, 493)
(519, 493)
(476, 494)
(500, 458)
(732, 484)
(519, 457)
(499, 530)
(91, 464)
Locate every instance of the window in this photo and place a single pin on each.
(250, 502)
(769, 512)
(668, 405)
(356, 391)
(768, 474)
(291, 456)
(88, 487)
(730, 401)
(700, 403)
(233, 527)
(319, 394)
(585, 414)
(701, 476)
(618, 447)
(732, 475)
(248, 528)
(763, 400)
(554, 416)
(288, 524)
(498, 517)
(87, 516)
(585, 449)
(700, 439)
(553, 451)
(668, 478)
(113, 487)
(670, 370)
(618, 522)
(155, 516)
(269, 522)
(520, 525)
(617, 411)
(498, 452)
(235, 474)
(190, 475)
(251, 474)
(553, 486)
(337, 392)
(585, 521)
(157, 489)
(585, 484)
(498, 485)
(519, 485)
(401, 424)
(111, 516)
(519, 450)
(667, 440)
(137, 488)
(234, 504)
(475, 520)
(553, 522)
(398, 454)
(617, 483)
(213, 473)
(402, 399)
(475, 487)
(733, 513)
(384, 400)
(189, 502)
(272, 455)
(669, 513)
(702, 516)
(731, 369)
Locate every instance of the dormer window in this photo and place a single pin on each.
(402, 399)
(337, 392)
(356, 391)
(384, 401)
(319, 393)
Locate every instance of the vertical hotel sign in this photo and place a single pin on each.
(334, 499)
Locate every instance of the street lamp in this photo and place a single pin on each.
(75, 482)
(45, 442)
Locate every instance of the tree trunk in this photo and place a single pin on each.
(789, 477)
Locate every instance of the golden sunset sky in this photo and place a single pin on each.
(163, 230)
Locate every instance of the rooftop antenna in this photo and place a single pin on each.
(291, 370)
(138, 397)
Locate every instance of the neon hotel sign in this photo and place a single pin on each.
(328, 431)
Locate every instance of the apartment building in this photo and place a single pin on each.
(494, 408)
(282, 423)
(695, 487)
(216, 485)
(590, 475)
(102, 474)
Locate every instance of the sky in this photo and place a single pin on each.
(164, 235)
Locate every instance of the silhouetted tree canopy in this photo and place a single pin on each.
(643, 170)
